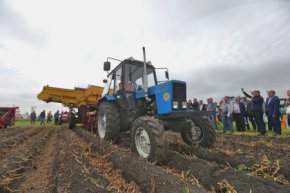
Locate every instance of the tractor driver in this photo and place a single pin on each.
(130, 86)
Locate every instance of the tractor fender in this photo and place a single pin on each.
(106, 98)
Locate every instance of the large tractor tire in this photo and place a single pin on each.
(149, 139)
(200, 133)
(108, 119)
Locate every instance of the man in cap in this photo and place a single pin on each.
(257, 109)
(273, 113)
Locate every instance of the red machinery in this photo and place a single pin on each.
(63, 118)
(7, 116)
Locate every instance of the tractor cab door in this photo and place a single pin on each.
(132, 82)
(114, 86)
(119, 87)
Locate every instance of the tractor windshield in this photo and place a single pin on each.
(134, 77)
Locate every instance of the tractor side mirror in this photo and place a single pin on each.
(167, 75)
(107, 66)
(105, 81)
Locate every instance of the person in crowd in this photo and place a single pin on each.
(42, 117)
(33, 117)
(238, 114)
(227, 116)
(257, 109)
(49, 117)
(288, 94)
(201, 106)
(273, 113)
(189, 104)
(220, 108)
(195, 104)
(56, 116)
(211, 108)
(248, 114)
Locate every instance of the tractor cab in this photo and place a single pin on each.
(128, 77)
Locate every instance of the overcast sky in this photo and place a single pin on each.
(217, 47)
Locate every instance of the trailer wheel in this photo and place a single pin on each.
(200, 133)
(149, 139)
(108, 119)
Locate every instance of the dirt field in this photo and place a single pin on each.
(54, 159)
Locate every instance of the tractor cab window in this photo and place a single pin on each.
(134, 77)
(118, 80)
(107, 85)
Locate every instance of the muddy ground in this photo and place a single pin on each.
(54, 159)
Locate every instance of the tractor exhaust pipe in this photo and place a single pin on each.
(145, 78)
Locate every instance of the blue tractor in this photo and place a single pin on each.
(134, 100)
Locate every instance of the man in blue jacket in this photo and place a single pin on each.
(273, 113)
(257, 109)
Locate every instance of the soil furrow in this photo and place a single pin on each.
(9, 132)
(148, 176)
(42, 168)
(74, 172)
(211, 174)
(16, 140)
(15, 167)
(236, 161)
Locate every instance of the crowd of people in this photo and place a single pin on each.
(48, 117)
(246, 112)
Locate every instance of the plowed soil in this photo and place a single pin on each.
(54, 159)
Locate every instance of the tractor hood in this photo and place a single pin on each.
(165, 94)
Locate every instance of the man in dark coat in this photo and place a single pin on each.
(33, 117)
(56, 116)
(195, 104)
(288, 94)
(257, 109)
(42, 117)
(273, 113)
(248, 114)
(201, 106)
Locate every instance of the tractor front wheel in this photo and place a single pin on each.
(149, 139)
(108, 119)
(201, 132)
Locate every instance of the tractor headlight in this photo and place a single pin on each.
(175, 104)
(184, 105)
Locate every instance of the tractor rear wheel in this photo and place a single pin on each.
(200, 133)
(108, 119)
(149, 139)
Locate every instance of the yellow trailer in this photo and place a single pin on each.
(83, 99)
(77, 97)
